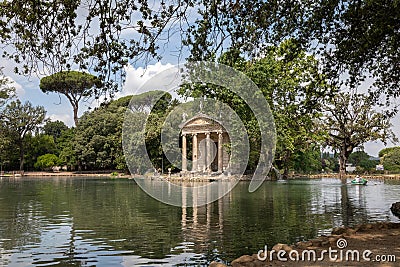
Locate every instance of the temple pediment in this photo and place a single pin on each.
(201, 123)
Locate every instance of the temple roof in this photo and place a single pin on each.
(201, 120)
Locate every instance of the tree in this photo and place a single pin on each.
(46, 161)
(350, 121)
(65, 145)
(386, 150)
(294, 89)
(308, 160)
(96, 36)
(7, 91)
(362, 160)
(97, 141)
(330, 162)
(36, 146)
(357, 38)
(18, 120)
(356, 157)
(55, 129)
(75, 85)
(144, 121)
(391, 160)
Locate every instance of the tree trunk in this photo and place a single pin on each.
(75, 108)
(344, 155)
(285, 174)
(342, 165)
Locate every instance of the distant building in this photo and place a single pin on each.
(350, 168)
(379, 167)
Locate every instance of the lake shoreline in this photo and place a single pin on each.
(381, 238)
(176, 177)
(336, 175)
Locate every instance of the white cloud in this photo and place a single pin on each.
(136, 77)
(19, 90)
(66, 118)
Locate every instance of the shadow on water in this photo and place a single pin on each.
(106, 222)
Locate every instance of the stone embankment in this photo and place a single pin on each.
(382, 239)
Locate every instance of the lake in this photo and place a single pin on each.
(90, 221)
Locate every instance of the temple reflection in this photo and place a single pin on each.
(200, 222)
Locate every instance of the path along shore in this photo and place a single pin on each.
(366, 176)
(177, 177)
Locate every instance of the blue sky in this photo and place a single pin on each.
(58, 107)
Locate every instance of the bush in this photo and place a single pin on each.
(46, 162)
(391, 160)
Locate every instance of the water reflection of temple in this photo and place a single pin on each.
(199, 223)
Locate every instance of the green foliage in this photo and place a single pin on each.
(153, 121)
(362, 161)
(74, 85)
(386, 150)
(97, 139)
(330, 162)
(356, 157)
(18, 120)
(295, 90)
(350, 121)
(47, 161)
(54, 128)
(69, 82)
(7, 91)
(391, 160)
(308, 161)
(100, 36)
(65, 145)
(37, 145)
(7, 149)
(355, 38)
(368, 165)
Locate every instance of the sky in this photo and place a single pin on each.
(58, 107)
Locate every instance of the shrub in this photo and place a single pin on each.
(46, 161)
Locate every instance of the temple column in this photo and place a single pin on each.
(208, 152)
(194, 153)
(184, 154)
(220, 155)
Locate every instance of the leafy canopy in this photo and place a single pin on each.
(46, 161)
(355, 37)
(351, 120)
(18, 120)
(75, 85)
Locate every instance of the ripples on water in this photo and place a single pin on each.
(102, 222)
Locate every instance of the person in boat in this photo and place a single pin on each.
(358, 179)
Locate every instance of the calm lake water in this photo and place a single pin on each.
(104, 222)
